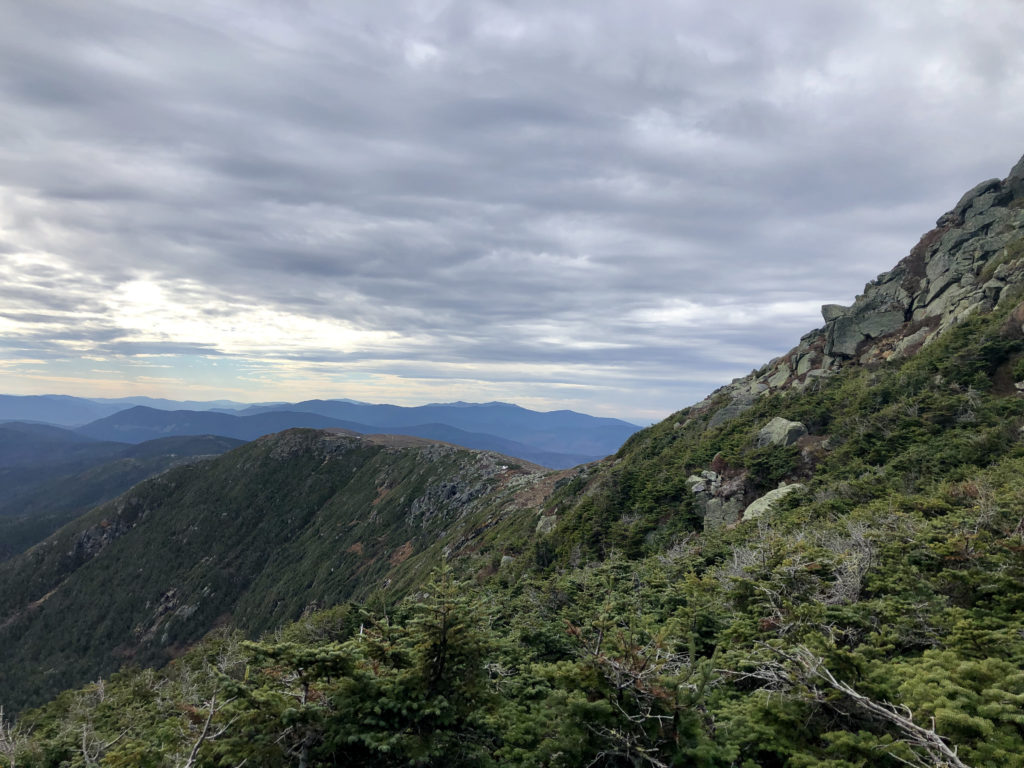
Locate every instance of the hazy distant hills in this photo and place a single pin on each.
(67, 411)
(555, 439)
(141, 423)
(557, 431)
(23, 444)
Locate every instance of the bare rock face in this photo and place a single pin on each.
(962, 266)
(970, 262)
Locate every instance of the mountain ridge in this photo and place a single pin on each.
(265, 508)
(591, 437)
(964, 265)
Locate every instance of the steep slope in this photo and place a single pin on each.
(254, 537)
(940, 332)
(38, 496)
(970, 262)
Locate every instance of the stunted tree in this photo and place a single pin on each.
(13, 742)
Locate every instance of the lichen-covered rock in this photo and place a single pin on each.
(780, 431)
(764, 504)
(846, 333)
(722, 512)
(739, 404)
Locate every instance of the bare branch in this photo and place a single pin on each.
(920, 739)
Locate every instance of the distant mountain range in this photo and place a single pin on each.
(68, 411)
(556, 439)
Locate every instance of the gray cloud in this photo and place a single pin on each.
(646, 199)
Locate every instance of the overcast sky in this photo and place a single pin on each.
(613, 207)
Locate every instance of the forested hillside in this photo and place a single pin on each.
(49, 476)
(819, 565)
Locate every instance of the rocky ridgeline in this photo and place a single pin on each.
(968, 263)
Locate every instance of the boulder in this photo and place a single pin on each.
(721, 512)
(969, 197)
(843, 337)
(766, 502)
(1015, 181)
(807, 363)
(780, 431)
(910, 343)
(739, 404)
(845, 334)
(834, 311)
(880, 323)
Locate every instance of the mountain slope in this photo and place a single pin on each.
(940, 332)
(38, 498)
(256, 535)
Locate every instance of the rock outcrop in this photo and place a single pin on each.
(780, 431)
(718, 499)
(970, 262)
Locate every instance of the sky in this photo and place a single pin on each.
(613, 207)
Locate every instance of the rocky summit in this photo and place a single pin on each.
(970, 261)
(969, 264)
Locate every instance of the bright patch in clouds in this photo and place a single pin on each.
(146, 312)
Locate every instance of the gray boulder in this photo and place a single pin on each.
(739, 404)
(721, 512)
(834, 311)
(1015, 181)
(971, 196)
(769, 500)
(780, 431)
(844, 334)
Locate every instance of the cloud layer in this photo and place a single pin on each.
(613, 207)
